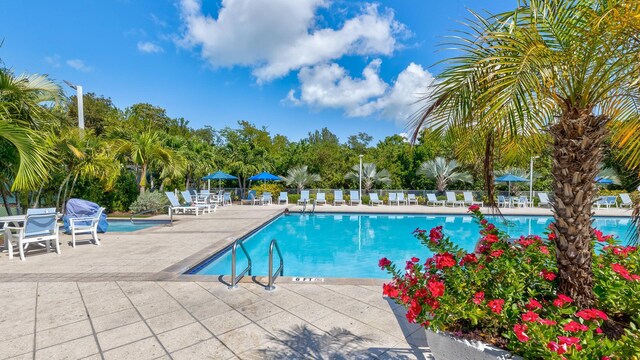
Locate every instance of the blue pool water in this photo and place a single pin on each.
(127, 226)
(350, 245)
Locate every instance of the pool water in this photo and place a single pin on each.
(127, 226)
(350, 245)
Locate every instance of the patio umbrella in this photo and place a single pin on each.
(604, 181)
(509, 178)
(265, 176)
(218, 175)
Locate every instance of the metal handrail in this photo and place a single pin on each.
(234, 278)
(154, 210)
(304, 206)
(313, 210)
(280, 270)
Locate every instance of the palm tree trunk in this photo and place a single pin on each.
(64, 183)
(488, 170)
(143, 178)
(578, 139)
(4, 202)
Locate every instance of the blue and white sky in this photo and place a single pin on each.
(290, 65)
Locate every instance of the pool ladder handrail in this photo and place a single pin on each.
(234, 250)
(280, 270)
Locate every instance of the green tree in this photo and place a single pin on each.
(570, 67)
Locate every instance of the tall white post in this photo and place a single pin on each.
(531, 180)
(80, 107)
(360, 187)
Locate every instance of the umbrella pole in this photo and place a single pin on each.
(209, 185)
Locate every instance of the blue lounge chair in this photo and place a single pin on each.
(401, 198)
(321, 198)
(412, 199)
(337, 197)
(468, 199)
(451, 199)
(304, 197)
(284, 197)
(626, 201)
(432, 199)
(177, 208)
(39, 226)
(354, 197)
(374, 199)
(85, 225)
(393, 199)
(544, 199)
(193, 201)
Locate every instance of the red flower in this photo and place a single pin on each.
(436, 288)
(529, 316)
(491, 238)
(562, 300)
(600, 237)
(598, 331)
(469, 258)
(390, 290)
(474, 208)
(496, 305)
(384, 262)
(419, 231)
(622, 271)
(519, 330)
(414, 310)
(549, 275)
(552, 236)
(544, 250)
(546, 322)
(605, 358)
(590, 314)
(483, 222)
(573, 326)
(569, 341)
(490, 227)
(478, 298)
(444, 260)
(555, 347)
(497, 253)
(415, 259)
(435, 234)
(533, 304)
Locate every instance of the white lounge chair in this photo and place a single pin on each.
(251, 198)
(337, 197)
(304, 197)
(393, 198)
(432, 199)
(41, 226)
(401, 199)
(374, 200)
(522, 201)
(267, 199)
(226, 199)
(544, 199)
(85, 225)
(412, 199)
(468, 199)
(626, 201)
(284, 197)
(354, 197)
(451, 199)
(502, 201)
(194, 202)
(321, 198)
(177, 208)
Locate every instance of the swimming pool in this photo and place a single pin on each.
(122, 225)
(350, 245)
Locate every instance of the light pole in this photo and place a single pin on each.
(360, 187)
(531, 180)
(78, 90)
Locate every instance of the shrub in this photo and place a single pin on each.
(506, 294)
(273, 188)
(148, 201)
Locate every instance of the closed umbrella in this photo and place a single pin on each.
(509, 178)
(218, 175)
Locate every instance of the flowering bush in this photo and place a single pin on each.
(505, 293)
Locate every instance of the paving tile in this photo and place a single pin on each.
(310, 311)
(158, 308)
(87, 288)
(225, 322)
(74, 349)
(170, 321)
(61, 315)
(245, 338)
(123, 335)
(259, 310)
(148, 348)
(14, 328)
(208, 349)
(411, 353)
(16, 346)
(27, 356)
(208, 309)
(273, 350)
(63, 333)
(183, 337)
(187, 293)
(114, 320)
(283, 322)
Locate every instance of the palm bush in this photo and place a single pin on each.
(370, 176)
(300, 177)
(444, 172)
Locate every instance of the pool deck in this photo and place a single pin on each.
(126, 299)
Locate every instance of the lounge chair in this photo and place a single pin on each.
(412, 199)
(393, 198)
(432, 199)
(226, 199)
(502, 201)
(468, 199)
(626, 201)
(522, 201)
(373, 199)
(321, 198)
(267, 199)
(85, 225)
(601, 202)
(41, 226)
(451, 199)
(304, 197)
(544, 199)
(612, 201)
(177, 208)
(284, 197)
(401, 198)
(251, 198)
(354, 197)
(337, 197)
(194, 202)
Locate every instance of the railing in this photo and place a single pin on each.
(234, 278)
(280, 270)
(313, 210)
(154, 210)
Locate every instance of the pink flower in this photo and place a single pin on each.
(496, 305)
(519, 330)
(590, 314)
(474, 208)
(622, 271)
(561, 300)
(549, 275)
(573, 326)
(533, 304)
(546, 322)
(435, 234)
(555, 347)
(384, 262)
(415, 259)
(478, 298)
(445, 260)
(436, 288)
(544, 250)
(530, 316)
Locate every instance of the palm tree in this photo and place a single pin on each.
(370, 176)
(21, 112)
(300, 177)
(146, 149)
(569, 68)
(444, 172)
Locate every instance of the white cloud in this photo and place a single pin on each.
(275, 37)
(156, 20)
(79, 65)
(53, 60)
(149, 47)
(330, 86)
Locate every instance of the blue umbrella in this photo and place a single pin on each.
(265, 176)
(605, 181)
(509, 178)
(218, 175)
